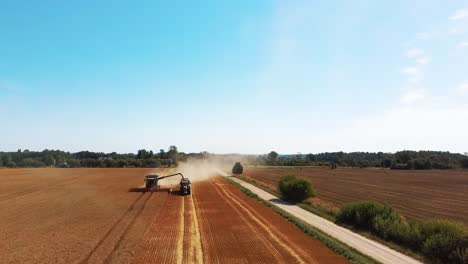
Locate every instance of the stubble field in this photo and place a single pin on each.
(88, 216)
(416, 194)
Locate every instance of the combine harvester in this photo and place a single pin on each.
(151, 183)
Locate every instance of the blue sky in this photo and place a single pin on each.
(234, 76)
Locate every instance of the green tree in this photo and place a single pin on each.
(173, 154)
(48, 160)
(272, 158)
(465, 163)
(295, 189)
(142, 154)
(31, 163)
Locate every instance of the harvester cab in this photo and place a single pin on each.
(151, 182)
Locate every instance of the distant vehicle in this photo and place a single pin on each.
(237, 169)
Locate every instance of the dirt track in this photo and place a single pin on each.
(416, 194)
(88, 216)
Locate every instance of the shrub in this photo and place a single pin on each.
(444, 240)
(31, 163)
(295, 189)
(369, 215)
(237, 169)
(10, 164)
(440, 240)
(400, 166)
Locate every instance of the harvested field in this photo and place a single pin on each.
(415, 194)
(88, 216)
(236, 229)
(73, 215)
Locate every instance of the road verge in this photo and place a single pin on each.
(335, 245)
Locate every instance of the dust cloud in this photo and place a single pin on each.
(198, 170)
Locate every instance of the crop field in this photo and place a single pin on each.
(419, 194)
(89, 216)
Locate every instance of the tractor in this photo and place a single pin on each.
(151, 183)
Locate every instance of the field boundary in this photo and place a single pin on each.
(361, 243)
(332, 217)
(336, 246)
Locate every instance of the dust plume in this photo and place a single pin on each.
(199, 170)
(196, 170)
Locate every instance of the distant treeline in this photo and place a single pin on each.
(62, 159)
(401, 160)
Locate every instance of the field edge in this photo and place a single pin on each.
(327, 215)
(336, 246)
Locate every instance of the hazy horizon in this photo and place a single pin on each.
(234, 77)
(226, 153)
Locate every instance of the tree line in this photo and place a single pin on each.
(88, 159)
(401, 160)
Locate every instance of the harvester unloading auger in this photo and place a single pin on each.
(151, 182)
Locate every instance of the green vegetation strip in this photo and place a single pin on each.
(331, 216)
(335, 245)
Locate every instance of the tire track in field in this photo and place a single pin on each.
(160, 243)
(193, 250)
(108, 233)
(207, 228)
(254, 230)
(180, 235)
(278, 233)
(268, 230)
(129, 226)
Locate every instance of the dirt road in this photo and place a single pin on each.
(371, 248)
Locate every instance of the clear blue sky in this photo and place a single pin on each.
(234, 76)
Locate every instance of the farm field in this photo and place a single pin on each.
(415, 194)
(236, 229)
(88, 216)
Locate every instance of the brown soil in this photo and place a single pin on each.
(73, 215)
(89, 216)
(237, 229)
(415, 194)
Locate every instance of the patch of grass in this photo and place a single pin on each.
(335, 245)
(317, 211)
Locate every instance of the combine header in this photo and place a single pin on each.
(151, 182)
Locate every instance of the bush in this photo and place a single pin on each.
(401, 166)
(10, 164)
(237, 169)
(440, 240)
(372, 216)
(31, 163)
(444, 240)
(295, 189)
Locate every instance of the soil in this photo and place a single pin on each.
(415, 194)
(92, 216)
